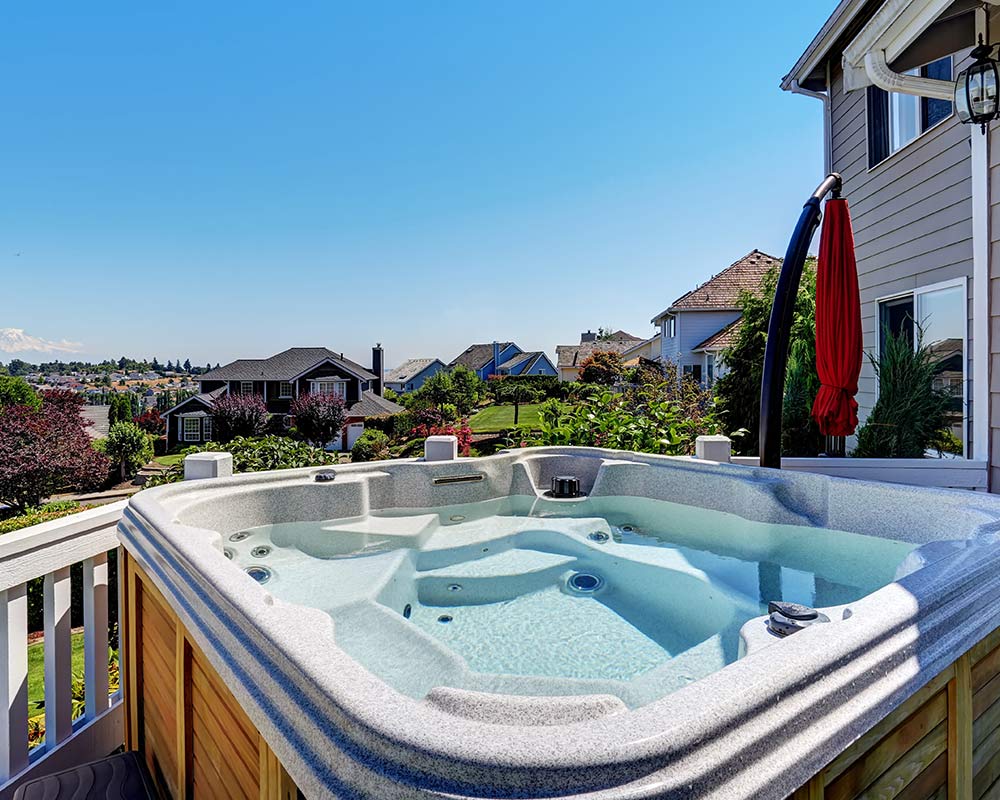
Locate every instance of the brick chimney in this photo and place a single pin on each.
(588, 337)
(378, 367)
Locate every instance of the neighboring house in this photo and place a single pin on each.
(690, 326)
(570, 357)
(503, 358)
(410, 375)
(278, 380)
(644, 350)
(533, 362)
(918, 183)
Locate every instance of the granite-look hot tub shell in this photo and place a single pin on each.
(342, 732)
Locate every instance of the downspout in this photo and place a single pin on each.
(827, 118)
(980, 449)
(879, 73)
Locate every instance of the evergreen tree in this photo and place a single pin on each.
(187, 365)
(170, 365)
(122, 363)
(156, 365)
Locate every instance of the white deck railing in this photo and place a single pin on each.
(47, 551)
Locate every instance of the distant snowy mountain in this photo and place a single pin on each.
(15, 340)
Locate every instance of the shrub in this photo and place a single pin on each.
(17, 392)
(462, 432)
(460, 387)
(255, 455)
(548, 386)
(372, 445)
(35, 516)
(665, 419)
(389, 394)
(319, 417)
(129, 447)
(151, 422)
(239, 415)
(910, 413)
(604, 367)
(46, 449)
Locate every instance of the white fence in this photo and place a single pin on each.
(47, 551)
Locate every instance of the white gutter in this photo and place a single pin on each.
(794, 87)
(879, 74)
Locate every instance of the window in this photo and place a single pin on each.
(284, 390)
(329, 387)
(192, 429)
(710, 367)
(670, 327)
(895, 120)
(694, 370)
(208, 429)
(246, 387)
(937, 316)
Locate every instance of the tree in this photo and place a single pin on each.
(122, 363)
(319, 417)
(156, 366)
(46, 449)
(187, 365)
(240, 415)
(19, 367)
(129, 448)
(604, 334)
(738, 391)
(603, 367)
(17, 392)
(466, 389)
(120, 409)
(151, 422)
(170, 365)
(508, 390)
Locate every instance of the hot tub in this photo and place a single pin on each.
(452, 630)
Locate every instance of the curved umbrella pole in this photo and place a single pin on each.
(779, 328)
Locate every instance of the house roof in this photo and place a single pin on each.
(722, 291)
(410, 369)
(641, 343)
(374, 405)
(570, 355)
(833, 30)
(721, 339)
(205, 398)
(476, 356)
(283, 366)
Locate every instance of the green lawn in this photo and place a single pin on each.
(494, 419)
(36, 669)
(169, 461)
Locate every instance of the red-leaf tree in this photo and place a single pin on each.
(151, 422)
(603, 366)
(319, 417)
(45, 450)
(239, 415)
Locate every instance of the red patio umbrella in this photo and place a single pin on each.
(838, 324)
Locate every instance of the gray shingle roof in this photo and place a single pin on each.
(409, 369)
(478, 355)
(373, 405)
(572, 355)
(721, 339)
(207, 399)
(283, 366)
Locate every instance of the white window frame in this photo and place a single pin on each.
(194, 436)
(244, 385)
(967, 374)
(339, 386)
(282, 394)
(670, 327)
(206, 429)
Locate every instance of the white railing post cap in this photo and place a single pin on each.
(714, 448)
(440, 448)
(207, 465)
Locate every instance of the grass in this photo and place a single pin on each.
(169, 461)
(494, 419)
(36, 669)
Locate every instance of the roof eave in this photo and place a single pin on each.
(819, 47)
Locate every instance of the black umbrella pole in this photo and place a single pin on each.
(779, 328)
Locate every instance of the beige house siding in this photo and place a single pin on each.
(912, 216)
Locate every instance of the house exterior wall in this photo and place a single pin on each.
(911, 214)
(490, 367)
(418, 380)
(693, 327)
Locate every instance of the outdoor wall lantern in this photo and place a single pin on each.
(976, 88)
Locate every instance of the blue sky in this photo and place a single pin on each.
(217, 180)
